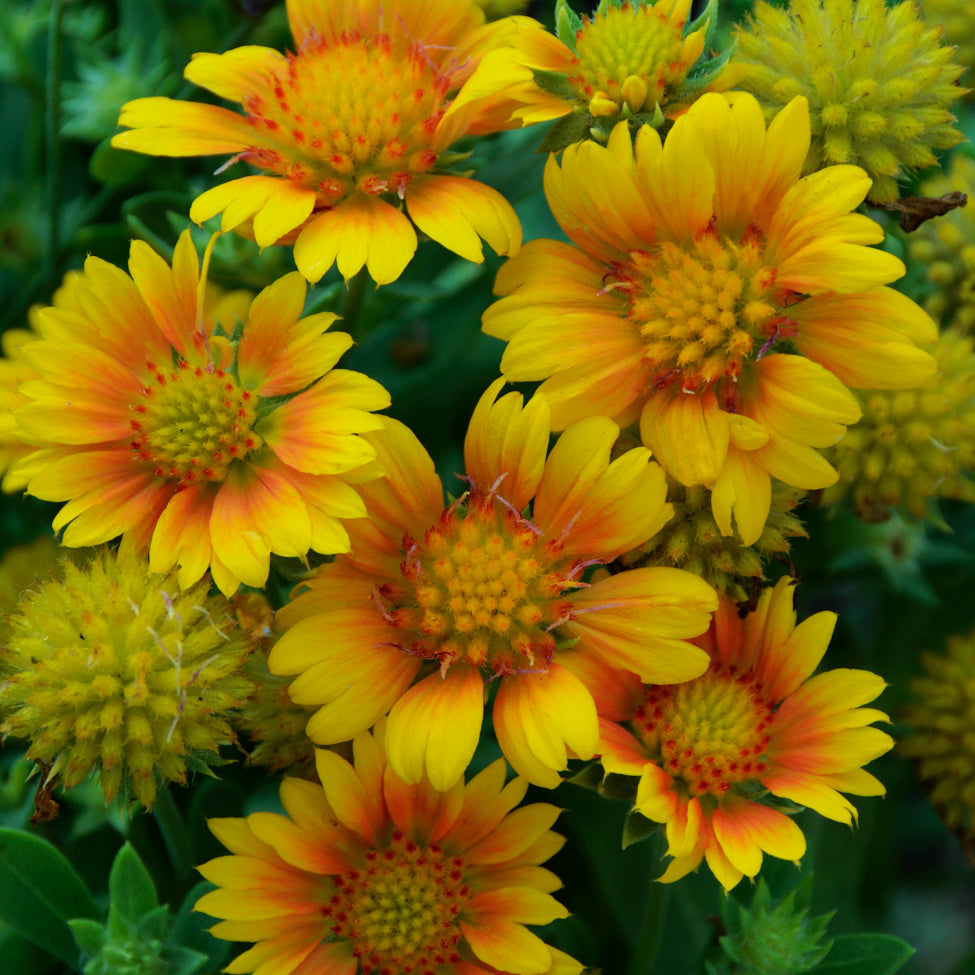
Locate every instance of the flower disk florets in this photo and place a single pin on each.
(709, 733)
(400, 909)
(702, 312)
(483, 587)
(192, 423)
(879, 82)
(630, 55)
(373, 133)
(114, 669)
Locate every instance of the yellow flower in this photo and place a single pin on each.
(436, 605)
(367, 873)
(913, 445)
(701, 264)
(207, 445)
(879, 82)
(114, 670)
(757, 721)
(944, 248)
(637, 60)
(348, 132)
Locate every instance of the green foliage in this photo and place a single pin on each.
(138, 937)
(39, 892)
(772, 939)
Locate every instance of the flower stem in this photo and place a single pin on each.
(52, 129)
(353, 301)
(175, 835)
(645, 950)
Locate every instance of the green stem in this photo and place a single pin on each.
(174, 832)
(645, 950)
(353, 302)
(52, 128)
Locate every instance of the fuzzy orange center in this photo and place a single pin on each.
(400, 910)
(702, 311)
(710, 733)
(482, 587)
(349, 114)
(192, 423)
(628, 55)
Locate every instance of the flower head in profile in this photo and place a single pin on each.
(715, 297)
(112, 669)
(639, 60)
(350, 134)
(880, 83)
(209, 446)
(756, 722)
(913, 445)
(367, 873)
(434, 606)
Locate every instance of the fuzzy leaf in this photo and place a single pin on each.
(132, 894)
(567, 22)
(40, 892)
(89, 935)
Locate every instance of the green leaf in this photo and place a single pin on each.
(132, 893)
(567, 22)
(865, 954)
(22, 957)
(89, 935)
(40, 892)
(117, 167)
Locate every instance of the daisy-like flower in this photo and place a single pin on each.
(348, 133)
(700, 264)
(367, 873)
(208, 446)
(756, 722)
(432, 603)
(637, 60)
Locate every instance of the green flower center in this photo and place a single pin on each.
(400, 910)
(371, 134)
(702, 311)
(192, 423)
(710, 733)
(482, 587)
(628, 54)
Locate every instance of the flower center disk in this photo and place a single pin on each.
(701, 312)
(709, 733)
(631, 55)
(482, 587)
(349, 114)
(192, 423)
(400, 910)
